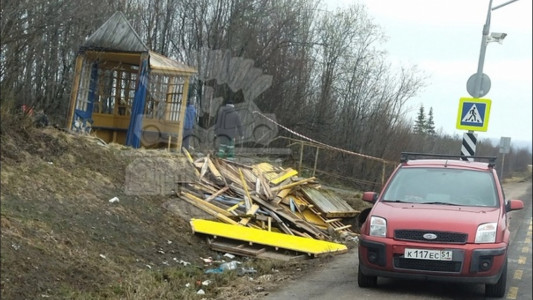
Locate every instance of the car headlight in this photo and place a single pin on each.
(378, 226)
(486, 233)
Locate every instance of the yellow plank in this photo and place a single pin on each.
(266, 169)
(263, 237)
(288, 173)
(281, 195)
(234, 207)
(247, 199)
(245, 221)
(189, 158)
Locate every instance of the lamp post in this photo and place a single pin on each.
(478, 84)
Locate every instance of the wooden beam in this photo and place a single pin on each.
(303, 181)
(218, 193)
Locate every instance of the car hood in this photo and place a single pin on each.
(435, 217)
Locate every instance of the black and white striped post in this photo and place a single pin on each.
(468, 147)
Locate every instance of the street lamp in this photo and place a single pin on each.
(478, 85)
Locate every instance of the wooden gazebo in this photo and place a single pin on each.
(125, 93)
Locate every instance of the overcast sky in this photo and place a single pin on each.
(443, 38)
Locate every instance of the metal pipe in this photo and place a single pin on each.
(482, 51)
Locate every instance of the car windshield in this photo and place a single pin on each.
(442, 186)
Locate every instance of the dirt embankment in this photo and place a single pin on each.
(63, 238)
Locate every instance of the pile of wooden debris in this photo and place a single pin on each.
(266, 207)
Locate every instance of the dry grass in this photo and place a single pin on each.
(63, 239)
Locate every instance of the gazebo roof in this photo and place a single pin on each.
(117, 40)
(116, 34)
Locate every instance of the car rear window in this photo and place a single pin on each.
(442, 186)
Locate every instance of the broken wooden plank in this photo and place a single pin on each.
(190, 160)
(247, 198)
(219, 179)
(204, 168)
(206, 204)
(290, 185)
(265, 187)
(258, 251)
(342, 227)
(332, 220)
(216, 194)
(328, 203)
(211, 212)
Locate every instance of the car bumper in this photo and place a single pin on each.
(480, 265)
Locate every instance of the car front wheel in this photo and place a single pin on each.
(497, 290)
(366, 281)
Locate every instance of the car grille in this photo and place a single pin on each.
(442, 236)
(427, 265)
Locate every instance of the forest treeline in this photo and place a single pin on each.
(331, 81)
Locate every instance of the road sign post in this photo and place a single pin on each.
(478, 85)
(505, 147)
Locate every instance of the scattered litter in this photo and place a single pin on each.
(169, 242)
(161, 251)
(206, 282)
(113, 200)
(352, 238)
(200, 292)
(15, 246)
(165, 263)
(208, 260)
(102, 256)
(44, 296)
(187, 285)
(214, 271)
(50, 163)
(185, 263)
(232, 265)
(149, 267)
(259, 289)
(264, 278)
(243, 271)
(229, 255)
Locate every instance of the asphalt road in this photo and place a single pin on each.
(338, 280)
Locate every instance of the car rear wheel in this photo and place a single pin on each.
(497, 290)
(366, 281)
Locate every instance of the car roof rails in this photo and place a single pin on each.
(406, 156)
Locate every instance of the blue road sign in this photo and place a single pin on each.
(473, 114)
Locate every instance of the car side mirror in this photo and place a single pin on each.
(370, 197)
(514, 205)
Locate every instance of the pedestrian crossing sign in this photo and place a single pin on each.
(473, 114)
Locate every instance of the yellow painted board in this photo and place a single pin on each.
(288, 173)
(263, 237)
(266, 169)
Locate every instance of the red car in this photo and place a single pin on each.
(438, 218)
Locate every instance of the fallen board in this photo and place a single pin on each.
(259, 251)
(274, 239)
(327, 202)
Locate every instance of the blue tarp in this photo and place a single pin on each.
(84, 116)
(133, 137)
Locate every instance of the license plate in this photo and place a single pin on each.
(428, 254)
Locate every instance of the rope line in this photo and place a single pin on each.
(320, 143)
